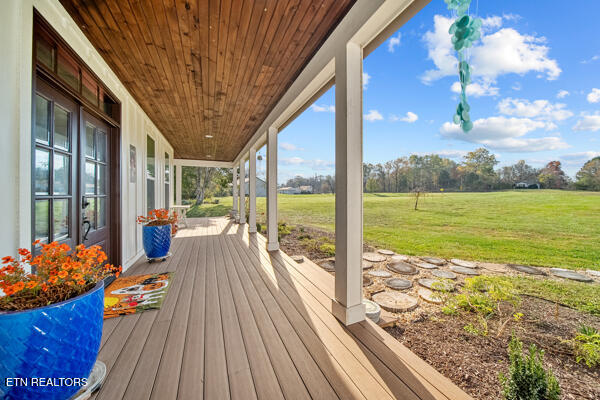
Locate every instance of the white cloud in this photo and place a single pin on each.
(507, 134)
(577, 158)
(316, 164)
(373, 115)
(451, 153)
(541, 109)
(588, 122)
(516, 86)
(365, 78)
(592, 59)
(322, 108)
(410, 117)
(290, 147)
(394, 42)
(477, 89)
(502, 52)
(594, 96)
(562, 94)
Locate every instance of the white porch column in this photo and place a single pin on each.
(234, 208)
(242, 191)
(347, 306)
(252, 190)
(178, 172)
(272, 230)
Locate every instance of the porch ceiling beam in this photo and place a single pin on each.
(202, 163)
(368, 23)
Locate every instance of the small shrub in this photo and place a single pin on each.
(258, 227)
(586, 346)
(328, 249)
(284, 229)
(527, 379)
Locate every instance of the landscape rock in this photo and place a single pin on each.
(367, 281)
(594, 273)
(567, 274)
(527, 269)
(463, 270)
(440, 273)
(366, 265)
(379, 273)
(386, 252)
(463, 263)
(433, 260)
(429, 296)
(425, 265)
(328, 265)
(298, 259)
(398, 283)
(436, 284)
(395, 301)
(403, 268)
(373, 257)
(373, 310)
(400, 257)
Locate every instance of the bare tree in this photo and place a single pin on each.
(203, 180)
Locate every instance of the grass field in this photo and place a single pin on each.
(536, 227)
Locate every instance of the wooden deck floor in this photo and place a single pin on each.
(241, 323)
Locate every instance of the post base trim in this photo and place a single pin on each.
(272, 246)
(348, 315)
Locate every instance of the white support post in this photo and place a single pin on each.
(234, 208)
(178, 172)
(252, 190)
(242, 191)
(272, 229)
(348, 306)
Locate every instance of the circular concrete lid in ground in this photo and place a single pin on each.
(436, 284)
(386, 252)
(527, 269)
(298, 259)
(429, 296)
(367, 281)
(567, 274)
(433, 260)
(400, 257)
(366, 265)
(373, 257)
(440, 273)
(463, 270)
(425, 265)
(395, 301)
(328, 265)
(398, 283)
(372, 310)
(463, 263)
(403, 268)
(379, 273)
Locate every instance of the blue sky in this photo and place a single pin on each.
(535, 93)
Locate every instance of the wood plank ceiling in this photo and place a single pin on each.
(207, 67)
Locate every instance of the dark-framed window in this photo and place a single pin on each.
(150, 174)
(167, 181)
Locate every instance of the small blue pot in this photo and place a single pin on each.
(157, 240)
(61, 340)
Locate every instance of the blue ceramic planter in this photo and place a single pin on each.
(58, 341)
(157, 240)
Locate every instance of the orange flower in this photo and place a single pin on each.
(37, 242)
(53, 279)
(18, 286)
(44, 287)
(31, 284)
(23, 252)
(77, 276)
(81, 282)
(7, 260)
(63, 274)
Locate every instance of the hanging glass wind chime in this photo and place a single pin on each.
(465, 30)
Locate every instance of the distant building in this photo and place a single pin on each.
(261, 187)
(306, 189)
(526, 185)
(288, 190)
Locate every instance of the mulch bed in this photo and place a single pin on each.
(473, 362)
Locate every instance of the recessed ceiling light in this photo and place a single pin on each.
(208, 136)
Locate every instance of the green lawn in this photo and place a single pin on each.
(538, 227)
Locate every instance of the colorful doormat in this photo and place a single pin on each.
(133, 294)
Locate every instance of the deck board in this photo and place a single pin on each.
(239, 322)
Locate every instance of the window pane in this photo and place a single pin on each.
(68, 71)
(150, 158)
(61, 128)
(62, 171)
(61, 218)
(90, 178)
(42, 113)
(150, 194)
(89, 89)
(101, 145)
(89, 140)
(41, 219)
(90, 213)
(44, 53)
(167, 168)
(101, 212)
(101, 179)
(42, 171)
(167, 197)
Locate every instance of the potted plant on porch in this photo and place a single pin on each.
(156, 232)
(50, 320)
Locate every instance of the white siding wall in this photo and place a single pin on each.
(16, 27)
